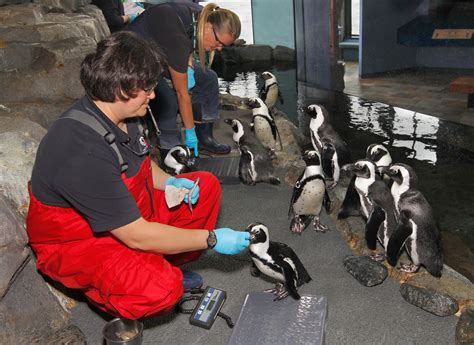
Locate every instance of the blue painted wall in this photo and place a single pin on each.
(273, 22)
(379, 51)
(379, 21)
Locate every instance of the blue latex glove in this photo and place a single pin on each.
(186, 183)
(191, 80)
(191, 140)
(230, 241)
(132, 17)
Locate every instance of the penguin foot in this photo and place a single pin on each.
(409, 268)
(279, 291)
(377, 257)
(297, 225)
(318, 226)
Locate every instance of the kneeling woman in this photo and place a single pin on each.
(98, 220)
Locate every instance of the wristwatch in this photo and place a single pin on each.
(211, 240)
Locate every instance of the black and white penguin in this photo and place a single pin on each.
(379, 209)
(350, 206)
(416, 230)
(309, 195)
(333, 150)
(242, 137)
(270, 92)
(263, 124)
(178, 160)
(255, 167)
(276, 260)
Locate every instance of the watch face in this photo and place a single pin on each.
(211, 240)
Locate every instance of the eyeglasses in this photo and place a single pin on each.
(218, 40)
(149, 90)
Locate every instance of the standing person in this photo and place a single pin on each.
(114, 14)
(180, 29)
(98, 220)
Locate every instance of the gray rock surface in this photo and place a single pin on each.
(282, 53)
(367, 271)
(429, 300)
(19, 140)
(13, 241)
(31, 311)
(67, 335)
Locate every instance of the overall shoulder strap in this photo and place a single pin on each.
(101, 128)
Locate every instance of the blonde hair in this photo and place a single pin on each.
(222, 20)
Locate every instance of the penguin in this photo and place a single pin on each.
(263, 124)
(178, 160)
(270, 92)
(242, 138)
(276, 260)
(350, 206)
(416, 231)
(333, 150)
(309, 195)
(254, 168)
(379, 208)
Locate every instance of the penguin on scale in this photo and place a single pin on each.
(416, 231)
(276, 260)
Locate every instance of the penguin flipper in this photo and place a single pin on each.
(376, 217)
(327, 201)
(296, 192)
(290, 279)
(351, 204)
(398, 238)
(328, 152)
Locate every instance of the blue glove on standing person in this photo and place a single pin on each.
(231, 242)
(191, 80)
(132, 17)
(191, 140)
(186, 183)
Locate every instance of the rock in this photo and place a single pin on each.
(433, 302)
(367, 271)
(232, 102)
(29, 310)
(255, 52)
(281, 53)
(19, 140)
(465, 328)
(13, 241)
(68, 335)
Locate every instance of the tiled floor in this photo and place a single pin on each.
(423, 91)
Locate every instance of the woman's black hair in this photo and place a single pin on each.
(122, 64)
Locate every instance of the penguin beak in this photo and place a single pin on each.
(348, 167)
(252, 235)
(228, 121)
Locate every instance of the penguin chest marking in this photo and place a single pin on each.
(397, 190)
(262, 264)
(310, 200)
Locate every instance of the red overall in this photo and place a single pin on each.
(119, 280)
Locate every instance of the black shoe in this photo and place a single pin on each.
(207, 142)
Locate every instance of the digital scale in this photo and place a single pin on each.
(208, 307)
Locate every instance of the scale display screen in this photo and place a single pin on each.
(208, 307)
